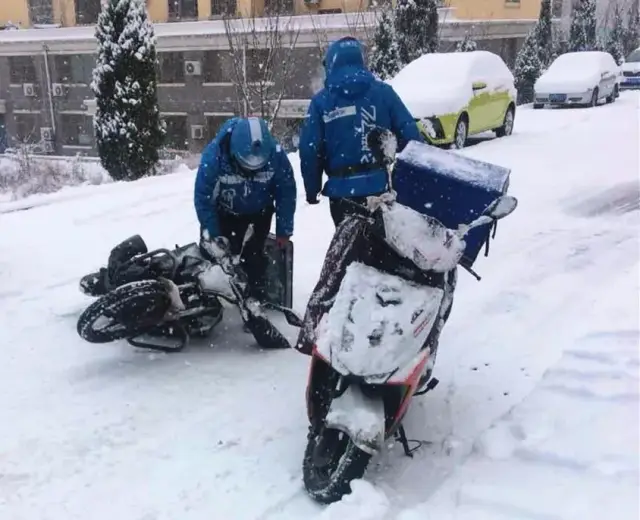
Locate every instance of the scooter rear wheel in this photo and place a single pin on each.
(127, 311)
(331, 462)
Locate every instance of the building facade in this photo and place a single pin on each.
(45, 75)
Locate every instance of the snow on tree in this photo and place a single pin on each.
(416, 27)
(560, 43)
(582, 33)
(466, 44)
(127, 123)
(544, 35)
(615, 37)
(632, 31)
(527, 68)
(384, 60)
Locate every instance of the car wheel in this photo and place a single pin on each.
(461, 132)
(614, 95)
(594, 97)
(507, 126)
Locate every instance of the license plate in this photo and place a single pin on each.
(557, 98)
(635, 79)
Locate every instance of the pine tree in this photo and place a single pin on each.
(615, 37)
(127, 123)
(582, 34)
(466, 45)
(632, 31)
(384, 60)
(416, 26)
(527, 68)
(544, 34)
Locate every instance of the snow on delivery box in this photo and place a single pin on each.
(450, 187)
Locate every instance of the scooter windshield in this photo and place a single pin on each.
(422, 239)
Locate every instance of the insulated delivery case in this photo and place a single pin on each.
(451, 187)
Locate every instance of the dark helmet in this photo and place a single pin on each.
(252, 144)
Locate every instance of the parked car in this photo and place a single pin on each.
(457, 94)
(578, 78)
(631, 71)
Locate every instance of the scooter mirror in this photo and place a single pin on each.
(501, 207)
(383, 145)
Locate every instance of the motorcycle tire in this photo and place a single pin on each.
(135, 307)
(348, 463)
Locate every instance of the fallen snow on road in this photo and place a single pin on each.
(536, 416)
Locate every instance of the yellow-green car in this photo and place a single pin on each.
(457, 94)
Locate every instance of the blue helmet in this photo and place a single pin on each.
(252, 144)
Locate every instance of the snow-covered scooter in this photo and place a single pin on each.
(371, 328)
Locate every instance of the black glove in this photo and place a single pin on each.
(313, 200)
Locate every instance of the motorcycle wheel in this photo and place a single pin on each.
(331, 462)
(127, 311)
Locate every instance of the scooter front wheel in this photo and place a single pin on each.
(331, 462)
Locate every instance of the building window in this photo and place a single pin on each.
(216, 67)
(257, 64)
(41, 11)
(76, 130)
(183, 10)
(87, 11)
(177, 137)
(171, 67)
(26, 126)
(74, 68)
(280, 7)
(22, 69)
(213, 125)
(223, 7)
(512, 3)
(556, 8)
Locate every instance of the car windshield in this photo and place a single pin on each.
(447, 69)
(634, 57)
(575, 62)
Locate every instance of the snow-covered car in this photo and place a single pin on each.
(578, 78)
(631, 71)
(456, 94)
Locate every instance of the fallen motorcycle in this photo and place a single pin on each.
(160, 299)
(372, 328)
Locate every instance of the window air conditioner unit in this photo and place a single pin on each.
(46, 134)
(58, 89)
(197, 132)
(192, 68)
(29, 89)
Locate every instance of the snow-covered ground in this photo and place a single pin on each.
(536, 416)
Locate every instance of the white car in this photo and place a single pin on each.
(578, 78)
(631, 71)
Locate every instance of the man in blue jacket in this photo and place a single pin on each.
(244, 177)
(333, 138)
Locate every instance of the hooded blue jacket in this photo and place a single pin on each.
(220, 186)
(333, 138)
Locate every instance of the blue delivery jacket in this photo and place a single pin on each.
(219, 186)
(333, 138)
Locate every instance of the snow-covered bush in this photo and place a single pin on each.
(615, 37)
(128, 128)
(527, 68)
(416, 27)
(466, 44)
(582, 33)
(384, 60)
(544, 34)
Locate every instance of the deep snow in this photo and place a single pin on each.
(536, 416)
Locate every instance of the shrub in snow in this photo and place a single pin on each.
(615, 37)
(582, 33)
(416, 27)
(544, 35)
(527, 68)
(128, 128)
(632, 32)
(384, 60)
(466, 45)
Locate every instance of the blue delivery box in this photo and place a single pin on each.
(450, 187)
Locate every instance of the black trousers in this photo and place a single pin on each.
(340, 208)
(253, 259)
